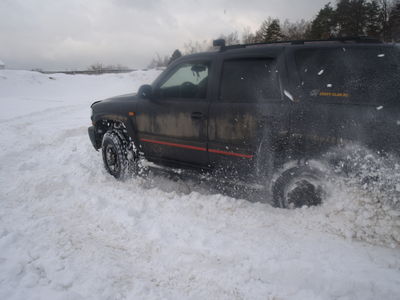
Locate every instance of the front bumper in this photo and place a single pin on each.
(94, 137)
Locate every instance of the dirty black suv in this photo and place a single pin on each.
(258, 113)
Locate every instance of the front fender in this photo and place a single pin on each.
(95, 138)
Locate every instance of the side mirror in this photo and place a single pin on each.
(145, 91)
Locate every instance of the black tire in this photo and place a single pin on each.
(299, 186)
(114, 156)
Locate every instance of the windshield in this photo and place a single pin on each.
(360, 75)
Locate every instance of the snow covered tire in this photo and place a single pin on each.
(299, 186)
(114, 155)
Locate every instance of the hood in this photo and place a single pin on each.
(117, 99)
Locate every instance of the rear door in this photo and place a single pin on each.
(247, 107)
(173, 125)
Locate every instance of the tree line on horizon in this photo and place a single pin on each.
(378, 19)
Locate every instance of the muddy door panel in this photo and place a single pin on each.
(248, 108)
(173, 125)
(174, 130)
(236, 132)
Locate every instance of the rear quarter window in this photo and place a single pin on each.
(357, 75)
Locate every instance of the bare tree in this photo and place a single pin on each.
(120, 67)
(96, 67)
(295, 30)
(231, 38)
(195, 47)
(248, 37)
(101, 68)
(158, 62)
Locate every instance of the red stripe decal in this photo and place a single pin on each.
(197, 148)
(230, 153)
(174, 145)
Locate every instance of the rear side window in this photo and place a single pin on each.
(250, 80)
(368, 75)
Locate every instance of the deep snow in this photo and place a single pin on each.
(70, 231)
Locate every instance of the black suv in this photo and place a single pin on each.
(258, 113)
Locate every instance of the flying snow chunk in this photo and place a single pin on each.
(379, 107)
(329, 85)
(321, 72)
(289, 95)
(381, 55)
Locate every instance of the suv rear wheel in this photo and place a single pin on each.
(299, 186)
(115, 155)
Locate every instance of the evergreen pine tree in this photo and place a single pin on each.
(374, 24)
(322, 26)
(394, 22)
(175, 56)
(273, 32)
(262, 32)
(352, 17)
(385, 8)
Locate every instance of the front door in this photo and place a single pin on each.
(172, 125)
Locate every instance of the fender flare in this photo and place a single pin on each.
(127, 123)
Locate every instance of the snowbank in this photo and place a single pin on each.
(70, 231)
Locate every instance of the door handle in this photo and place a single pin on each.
(198, 115)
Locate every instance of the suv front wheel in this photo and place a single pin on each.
(115, 155)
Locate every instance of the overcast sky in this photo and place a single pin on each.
(73, 34)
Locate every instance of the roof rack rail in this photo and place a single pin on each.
(356, 39)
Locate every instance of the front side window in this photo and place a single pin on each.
(188, 81)
(250, 80)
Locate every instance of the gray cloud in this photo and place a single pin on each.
(73, 34)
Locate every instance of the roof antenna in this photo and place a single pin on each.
(219, 43)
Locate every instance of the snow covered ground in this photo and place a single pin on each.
(70, 231)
